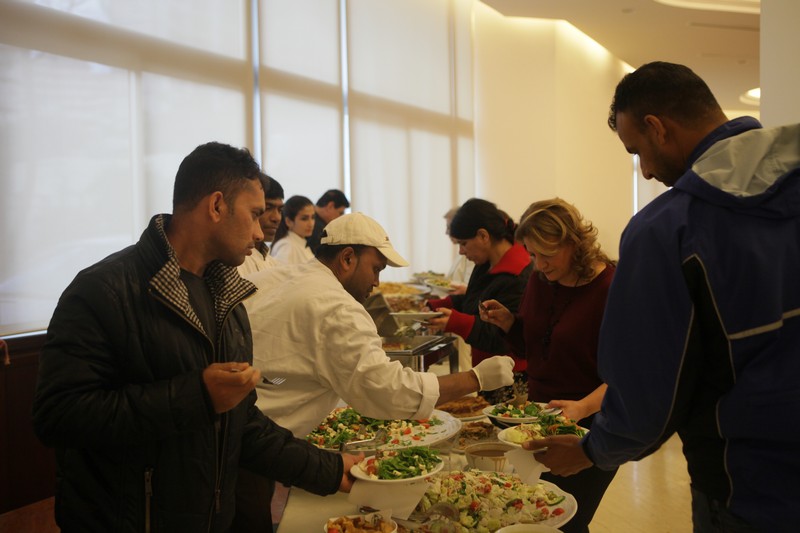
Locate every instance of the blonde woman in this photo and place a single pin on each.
(557, 326)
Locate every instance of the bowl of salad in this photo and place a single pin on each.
(399, 466)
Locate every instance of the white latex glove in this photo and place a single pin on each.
(495, 372)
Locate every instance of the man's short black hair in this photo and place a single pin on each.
(213, 167)
(666, 90)
(275, 191)
(333, 195)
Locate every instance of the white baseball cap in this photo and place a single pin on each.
(358, 228)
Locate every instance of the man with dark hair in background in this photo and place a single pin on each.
(330, 206)
(145, 385)
(260, 259)
(701, 330)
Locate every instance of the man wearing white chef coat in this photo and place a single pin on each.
(310, 327)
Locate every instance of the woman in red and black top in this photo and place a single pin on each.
(557, 327)
(485, 235)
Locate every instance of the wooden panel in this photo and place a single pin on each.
(27, 468)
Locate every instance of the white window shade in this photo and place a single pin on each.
(211, 25)
(65, 192)
(302, 145)
(301, 37)
(401, 177)
(177, 116)
(400, 51)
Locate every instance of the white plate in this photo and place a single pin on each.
(450, 426)
(445, 289)
(471, 418)
(509, 419)
(359, 473)
(503, 436)
(570, 506)
(423, 290)
(433, 435)
(410, 317)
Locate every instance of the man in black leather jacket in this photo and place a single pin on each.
(145, 386)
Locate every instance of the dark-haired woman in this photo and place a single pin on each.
(290, 245)
(485, 235)
(557, 327)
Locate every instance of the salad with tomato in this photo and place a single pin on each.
(488, 501)
(554, 425)
(345, 424)
(401, 464)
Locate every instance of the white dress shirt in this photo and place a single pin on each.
(292, 249)
(256, 262)
(310, 330)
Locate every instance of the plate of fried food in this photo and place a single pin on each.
(361, 523)
(474, 433)
(466, 408)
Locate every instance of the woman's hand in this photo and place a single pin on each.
(576, 410)
(585, 407)
(438, 323)
(494, 312)
(458, 288)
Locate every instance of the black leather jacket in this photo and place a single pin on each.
(120, 396)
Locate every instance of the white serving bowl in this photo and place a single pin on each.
(488, 456)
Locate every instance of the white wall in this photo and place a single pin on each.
(780, 69)
(542, 91)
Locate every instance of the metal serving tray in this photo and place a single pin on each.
(412, 345)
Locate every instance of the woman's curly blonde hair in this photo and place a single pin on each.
(552, 223)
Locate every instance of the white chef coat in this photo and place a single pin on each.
(291, 249)
(310, 330)
(256, 262)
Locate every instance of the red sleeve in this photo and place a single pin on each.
(440, 302)
(460, 324)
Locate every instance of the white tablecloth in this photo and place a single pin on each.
(308, 513)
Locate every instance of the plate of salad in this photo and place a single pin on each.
(546, 427)
(488, 501)
(509, 413)
(399, 466)
(345, 424)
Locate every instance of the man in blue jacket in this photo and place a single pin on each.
(146, 388)
(701, 333)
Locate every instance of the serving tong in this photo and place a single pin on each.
(367, 444)
(441, 516)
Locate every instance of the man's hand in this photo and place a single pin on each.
(347, 478)
(564, 455)
(495, 372)
(229, 383)
(494, 312)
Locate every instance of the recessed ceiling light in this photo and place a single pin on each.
(752, 97)
(734, 6)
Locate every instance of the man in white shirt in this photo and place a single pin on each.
(310, 327)
(260, 259)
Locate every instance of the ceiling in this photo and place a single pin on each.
(721, 47)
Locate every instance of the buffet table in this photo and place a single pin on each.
(308, 512)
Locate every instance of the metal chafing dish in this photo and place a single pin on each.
(421, 351)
